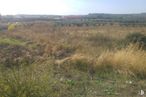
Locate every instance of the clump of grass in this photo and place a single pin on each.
(25, 81)
(11, 41)
(77, 61)
(81, 62)
(130, 61)
(63, 50)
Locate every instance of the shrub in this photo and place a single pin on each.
(136, 38)
(11, 27)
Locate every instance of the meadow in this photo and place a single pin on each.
(43, 60)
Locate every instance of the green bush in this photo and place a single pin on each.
(11, 27)
(136, 38)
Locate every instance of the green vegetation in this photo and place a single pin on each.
(50, 61)
(137, 38)
(11, 41)
(11, 27)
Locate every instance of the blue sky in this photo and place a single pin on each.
(65, 7)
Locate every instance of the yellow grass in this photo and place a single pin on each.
(131, 60)
(90, 42)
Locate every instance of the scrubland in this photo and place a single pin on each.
(43, 60)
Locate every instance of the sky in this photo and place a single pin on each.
(71, 7)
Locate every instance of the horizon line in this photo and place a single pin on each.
(71, 14)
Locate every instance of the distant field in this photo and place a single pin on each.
(42, 59)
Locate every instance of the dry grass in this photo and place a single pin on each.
(65, 58)
(130, 60)
(67, 44)
(79, 61)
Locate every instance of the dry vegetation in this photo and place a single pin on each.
(42, 60)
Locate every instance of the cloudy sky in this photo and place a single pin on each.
(67, 7)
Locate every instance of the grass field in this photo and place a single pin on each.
(43, 60)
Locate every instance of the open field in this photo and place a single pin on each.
(44, 60)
